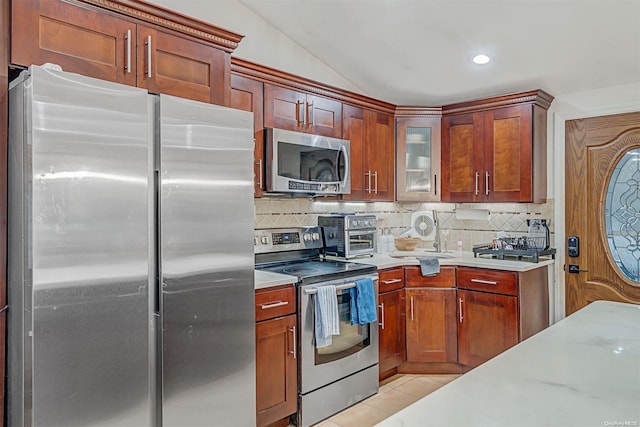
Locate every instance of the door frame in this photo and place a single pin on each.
(559, 120)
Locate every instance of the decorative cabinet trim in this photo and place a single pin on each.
(405, 111)
(536, 97)
(142, 11)
(271, 75)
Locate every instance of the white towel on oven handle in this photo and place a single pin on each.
(327, 320)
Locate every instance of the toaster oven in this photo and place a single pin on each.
(348, 235)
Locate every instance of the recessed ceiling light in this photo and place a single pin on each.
(481, 59)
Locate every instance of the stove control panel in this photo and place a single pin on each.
(286, 239)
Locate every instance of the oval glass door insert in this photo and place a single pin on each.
(622, 214)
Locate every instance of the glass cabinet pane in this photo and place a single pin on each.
(419, 164)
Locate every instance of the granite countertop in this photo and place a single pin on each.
(267, 279)
(582, 371)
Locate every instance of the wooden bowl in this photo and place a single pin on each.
(406, 243)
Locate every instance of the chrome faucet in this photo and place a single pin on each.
(437, 243)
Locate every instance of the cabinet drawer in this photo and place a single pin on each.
(445, 279)
(276, 302)
(498, 282)
(390, 280)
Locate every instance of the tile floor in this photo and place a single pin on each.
(395, 394)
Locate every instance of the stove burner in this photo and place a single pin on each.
(299, 270)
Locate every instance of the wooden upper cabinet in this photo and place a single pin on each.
(176, 66)
(78, 39)
(418, 174)
(289, 109)
(494, 154)
(372, 153)
(247, 95)
(117, 46)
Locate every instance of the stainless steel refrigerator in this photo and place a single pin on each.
(130, 275)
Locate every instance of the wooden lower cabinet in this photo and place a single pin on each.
(431, 325)
(487, 326)
(392, 330)
(276, 364)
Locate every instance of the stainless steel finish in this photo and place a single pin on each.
(289, 182)
(411, 300)
(308, 238)
(368, 175)
(437, 244)
(310, 113)
(313, 291)
(127, 66)
(375, 175)
(477, 177)
(316, 376)
(148, 44)
(389, 282)
(207, 265)
(381, 307)
(300, 112)
(486, 282)
(294, 351)
(78, 282)
(315, 406)
(460, 301)
(486, 183)
(274, 305)
(261, 172)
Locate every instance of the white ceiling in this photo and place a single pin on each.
(417, 52)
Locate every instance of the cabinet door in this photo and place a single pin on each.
(462, 158)
(78, 39)
(418, 160)
(431, 325)
(380, 156)
(487, 325)
(392, 329)
(355, 130)
(323, 116)
(508, 142)
(276, 371)
(180, 67)
(247, 95)
(283, 108)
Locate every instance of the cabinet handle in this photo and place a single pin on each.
(375, 175)
(273, 304)
(484, 282)
(148, 43)
(460, 301)
(300, 112)
(293, 332)
(381, 307)
(310, 113)
(389, 282)
(368, 175)
(435, 184)
(260, 173)
(127, 66)
(486, 183)
(411, 302)
(477, 176)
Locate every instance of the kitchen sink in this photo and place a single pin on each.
(421, 253)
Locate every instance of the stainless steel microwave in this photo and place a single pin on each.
(307, 164)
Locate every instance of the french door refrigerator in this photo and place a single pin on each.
(130, 274)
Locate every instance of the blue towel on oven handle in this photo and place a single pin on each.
(363, 302)
(327, 321)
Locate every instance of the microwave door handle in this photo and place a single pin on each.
(345, 154)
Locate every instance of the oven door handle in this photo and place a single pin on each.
(338, 288)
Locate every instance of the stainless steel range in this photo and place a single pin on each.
(337, 376)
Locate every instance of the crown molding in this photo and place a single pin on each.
(535, 97)
(165, 18)
(415, 111)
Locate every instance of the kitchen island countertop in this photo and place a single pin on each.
(582, 371)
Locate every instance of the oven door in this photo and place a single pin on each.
(360, 242)
(356, 347)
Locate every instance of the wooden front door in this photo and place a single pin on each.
(605, 218)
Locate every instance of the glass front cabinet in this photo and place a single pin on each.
(418, 159)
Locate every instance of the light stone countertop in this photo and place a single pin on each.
(582, 371)
(265, 279)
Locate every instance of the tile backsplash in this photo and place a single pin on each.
(508, 217)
